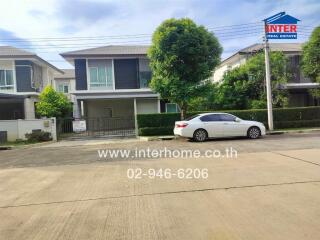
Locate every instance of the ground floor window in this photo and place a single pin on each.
(6, 80)
(172, 108)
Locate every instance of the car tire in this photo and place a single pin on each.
(200, 135)
(254, 133)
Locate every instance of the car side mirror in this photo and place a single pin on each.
(237, 120)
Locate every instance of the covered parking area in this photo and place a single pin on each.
(113, 113)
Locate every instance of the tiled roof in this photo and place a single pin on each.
(8, 51)
(110, 50)
(283, 47)
(68, 74)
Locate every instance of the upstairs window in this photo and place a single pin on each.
(6, 80)
(63, 88)
(144, 73)
(101, 76)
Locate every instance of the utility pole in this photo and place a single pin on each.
(268, 78)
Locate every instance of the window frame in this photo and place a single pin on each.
(177, 108)
(226, 114)
(63, 85)
(108, 84)
(218, 115)
(7, 86)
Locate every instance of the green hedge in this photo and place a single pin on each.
(163, 123)
(155, 131)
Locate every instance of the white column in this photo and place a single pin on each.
(29, 112)
(77, 108)
(159, 106)
(135, 116)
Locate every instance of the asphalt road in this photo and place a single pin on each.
(271, 190)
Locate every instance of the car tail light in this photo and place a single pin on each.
(181, 125)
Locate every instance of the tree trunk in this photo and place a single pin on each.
(183, 112)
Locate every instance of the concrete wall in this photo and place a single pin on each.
(147, 106)
(16, 129)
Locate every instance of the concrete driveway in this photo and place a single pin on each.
(270, 191)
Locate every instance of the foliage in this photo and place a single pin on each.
(156, 131)
(53, 104)
(311, 59)
(38, 136)
(244, 87)
(182, 56)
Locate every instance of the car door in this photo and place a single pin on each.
(211, 123)
(231, 127)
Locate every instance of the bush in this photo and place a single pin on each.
(297, 124)
(154, 131)
(38, 136)
(283, 118)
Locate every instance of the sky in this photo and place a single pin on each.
(49, 27)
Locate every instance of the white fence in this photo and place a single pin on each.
(16, 129)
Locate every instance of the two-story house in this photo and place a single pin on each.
(111, 85)
(23, 75)
(65, 83)
(298, 84)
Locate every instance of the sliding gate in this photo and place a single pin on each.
(95, 127)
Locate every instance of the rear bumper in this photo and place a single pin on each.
(183, 132)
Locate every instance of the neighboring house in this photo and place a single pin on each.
(65, 83)
(22, 77)
(297, 86)
(112, 83)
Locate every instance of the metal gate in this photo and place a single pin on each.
(97, 128)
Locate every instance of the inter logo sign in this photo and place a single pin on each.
(281, 26)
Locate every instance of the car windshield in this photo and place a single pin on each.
(192, 117)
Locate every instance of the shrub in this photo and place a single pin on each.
(154, 131)
(38, 136)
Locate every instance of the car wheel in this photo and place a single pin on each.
(254, 132)
(200, 135)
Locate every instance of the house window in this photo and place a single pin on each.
(63, 88)
(172, 108)
(101, 76)
(6, 80)
(144, 73)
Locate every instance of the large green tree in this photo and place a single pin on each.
(182, 56)
(311, 59)
(53, 104)
(244, 87)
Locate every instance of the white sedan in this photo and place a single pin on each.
(214, 125)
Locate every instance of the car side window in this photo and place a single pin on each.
(227, 118)
(210, 118)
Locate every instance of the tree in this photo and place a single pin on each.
(182, 56)
(311, 59)
(244, 87)
(53, 104)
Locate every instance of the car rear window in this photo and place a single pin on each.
(192, 117)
